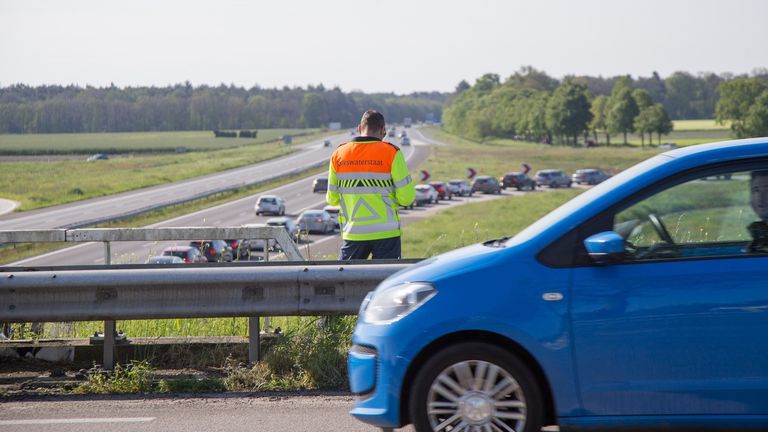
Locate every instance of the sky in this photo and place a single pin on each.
(396, 46)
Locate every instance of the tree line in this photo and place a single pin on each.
(534, 106)
(49, 109)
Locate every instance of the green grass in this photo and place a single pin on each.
(699, 125)
(132, 142)
(42, 184)
(473, 223)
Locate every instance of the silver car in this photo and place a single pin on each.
(334, 212)
(271, 204)
(425, 194)
(552, 178)
(316, 221)
(589, 176)
(460, 187)
(165, 259)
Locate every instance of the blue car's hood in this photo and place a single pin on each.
(443, 266)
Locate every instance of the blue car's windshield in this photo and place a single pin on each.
(578, 202)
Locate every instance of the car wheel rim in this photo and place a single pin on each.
(476, 395)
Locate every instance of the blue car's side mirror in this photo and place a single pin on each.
(605, 248)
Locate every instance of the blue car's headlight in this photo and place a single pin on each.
(393, 303)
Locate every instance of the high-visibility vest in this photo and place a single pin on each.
(369, 180)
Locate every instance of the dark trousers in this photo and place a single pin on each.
(380, 249)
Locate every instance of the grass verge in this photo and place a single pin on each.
(39, 184)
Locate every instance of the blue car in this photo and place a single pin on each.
(641, 304)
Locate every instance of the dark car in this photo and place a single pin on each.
(320, 185)
(443, 192)
(517, 180)
(240, 248)
(486, 184)
(589, 176)
(188, 254)
(214, 250)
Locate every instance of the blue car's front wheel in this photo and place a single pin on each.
(475, 386)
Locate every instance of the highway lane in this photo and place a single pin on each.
(127, 202)
(298, 195)
(232, 412)
(182, 413)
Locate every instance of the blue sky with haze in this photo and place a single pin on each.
(391, 46)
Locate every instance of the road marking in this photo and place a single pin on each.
(77, 421)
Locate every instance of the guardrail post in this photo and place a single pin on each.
(110, 327)
(109, 345)
(254, 340)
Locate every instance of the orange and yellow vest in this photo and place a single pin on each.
(369, 180)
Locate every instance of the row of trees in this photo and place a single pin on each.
(532, 105)
(744, 102)
(46, 109)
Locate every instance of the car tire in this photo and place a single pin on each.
(519, 188)
(258, 213)
(569, 184)
(553, 185)
(428, 388)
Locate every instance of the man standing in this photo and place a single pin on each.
(369, 180)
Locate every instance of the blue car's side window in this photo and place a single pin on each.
(710, 216)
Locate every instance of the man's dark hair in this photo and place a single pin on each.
(372, 120)
(762, 173)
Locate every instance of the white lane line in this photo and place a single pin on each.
(77, 421)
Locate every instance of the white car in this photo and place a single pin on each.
(425, 194)
(271, 204)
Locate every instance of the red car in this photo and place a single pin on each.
(443, 192)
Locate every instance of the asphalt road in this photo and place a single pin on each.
(127, 202)
(181, 413)
(298, 196)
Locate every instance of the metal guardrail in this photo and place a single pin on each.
(276, 289)
(121, 292)
(107, 235)
(223, 290)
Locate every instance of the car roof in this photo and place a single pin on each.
(548, 171)
(178, 248)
